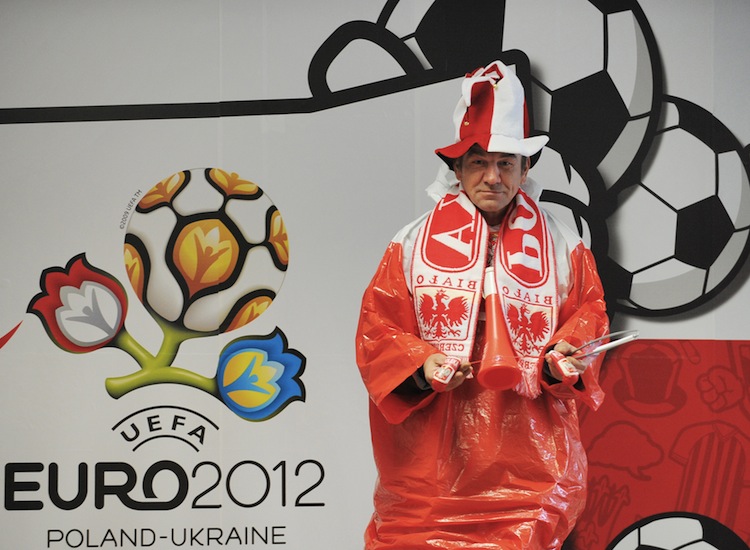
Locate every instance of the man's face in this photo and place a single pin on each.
(491, 180)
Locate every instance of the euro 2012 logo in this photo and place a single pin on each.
(205, 253)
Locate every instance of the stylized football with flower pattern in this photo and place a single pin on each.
(206, 250)
(206, 253)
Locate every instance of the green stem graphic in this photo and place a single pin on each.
(173, 338)
(157, 369)
(130, 345)
(117, 387)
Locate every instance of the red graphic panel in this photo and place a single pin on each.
(672, 435)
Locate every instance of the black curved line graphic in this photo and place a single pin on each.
(158, 111)
(451, 54)
(357, 30)
(195, 448)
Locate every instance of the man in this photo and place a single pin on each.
(471, 466)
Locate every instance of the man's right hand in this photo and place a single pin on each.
(435, 361)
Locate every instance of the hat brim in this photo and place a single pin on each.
(493, 144)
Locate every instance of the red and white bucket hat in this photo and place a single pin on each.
(492, 114)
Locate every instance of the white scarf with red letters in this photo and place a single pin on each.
(447, 270)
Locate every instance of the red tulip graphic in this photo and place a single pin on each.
(81, 307)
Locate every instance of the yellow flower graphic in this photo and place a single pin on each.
(250, 381)
(278, 238)
(134, 269)
(232, 184)
(250, 311)
(205, 253)
(163, 192)
(260, 376)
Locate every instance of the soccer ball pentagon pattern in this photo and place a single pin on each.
(206, 250)
(678, 530)
(572, 197)
(596, 92)
(691, 205)
(598, 96)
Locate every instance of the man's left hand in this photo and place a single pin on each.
(566, 349)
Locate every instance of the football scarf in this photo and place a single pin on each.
(447, 270)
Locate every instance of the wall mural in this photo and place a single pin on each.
(206, 252)
(195, 266)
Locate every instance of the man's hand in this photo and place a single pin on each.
(566, 349)
(435, 361)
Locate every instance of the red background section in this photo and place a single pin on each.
(672, 435)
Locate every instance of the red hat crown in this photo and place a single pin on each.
(492, 114)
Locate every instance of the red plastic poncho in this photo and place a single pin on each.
(474, 468)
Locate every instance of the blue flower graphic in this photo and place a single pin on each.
(258, 376)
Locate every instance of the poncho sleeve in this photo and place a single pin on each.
(583, 317)
(388, 347)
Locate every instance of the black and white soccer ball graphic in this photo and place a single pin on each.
(678, 531)
(655, 185)
(617, 168)
(681, 231)
(594, 71)
(597, 92)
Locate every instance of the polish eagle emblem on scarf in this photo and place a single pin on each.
(528, 328)
(442, 316)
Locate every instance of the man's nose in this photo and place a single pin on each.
(492, 175)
